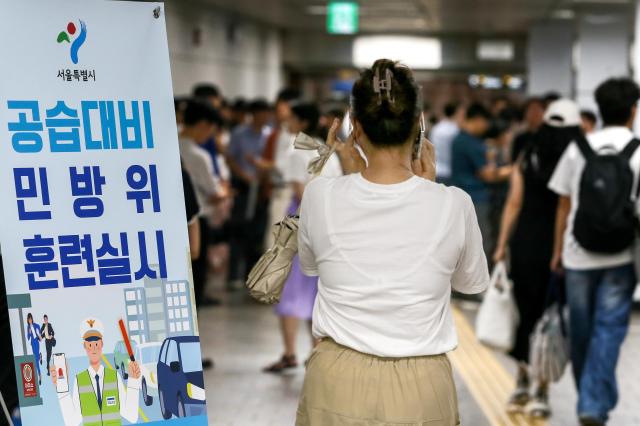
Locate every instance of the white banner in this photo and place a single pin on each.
(93, 227)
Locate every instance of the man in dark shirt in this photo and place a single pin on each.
(471, 168)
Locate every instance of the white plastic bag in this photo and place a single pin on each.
(498, 316)
(549, 349)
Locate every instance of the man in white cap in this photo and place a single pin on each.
(99, 397)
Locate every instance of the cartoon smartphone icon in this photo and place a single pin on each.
(60, 364)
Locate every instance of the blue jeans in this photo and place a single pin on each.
(600, 305)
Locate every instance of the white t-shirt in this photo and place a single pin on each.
(197, 162)
(387, 257)
(442, 136)
(284, 148)
(566, 182)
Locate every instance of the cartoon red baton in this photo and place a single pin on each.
(125, 339)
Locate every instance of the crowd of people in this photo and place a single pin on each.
(517, 172)
(519, 164)
(540, 193)
(239, 163)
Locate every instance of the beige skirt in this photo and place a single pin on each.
(343, 387)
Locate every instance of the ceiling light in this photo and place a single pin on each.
(415, 52)
(563, 14)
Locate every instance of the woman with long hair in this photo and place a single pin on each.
(33, 336)
(389, 245)
(299, 293)
(527, 229)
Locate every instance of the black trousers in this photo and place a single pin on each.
(246, 236)
(531, 275)
(200, 266)
(49, 345)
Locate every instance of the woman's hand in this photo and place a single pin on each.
(425, 165)
(556, 263)
(499, 254)
(350, 158)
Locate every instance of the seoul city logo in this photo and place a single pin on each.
(27, 372)
(76, 40)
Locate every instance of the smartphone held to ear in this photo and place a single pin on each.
(417, 146)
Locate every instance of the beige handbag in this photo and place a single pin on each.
(268, 276)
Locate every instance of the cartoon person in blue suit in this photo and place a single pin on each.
(33, 335)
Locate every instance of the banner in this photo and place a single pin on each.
(93, 229)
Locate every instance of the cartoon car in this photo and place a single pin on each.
(121, 358)
(147, 356)
(180, 378)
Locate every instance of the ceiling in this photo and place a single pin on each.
(416, 16)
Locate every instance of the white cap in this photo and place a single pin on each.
(91, 329)
(562, 113)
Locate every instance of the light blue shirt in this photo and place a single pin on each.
(245, 144)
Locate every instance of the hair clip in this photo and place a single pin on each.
(383, 85)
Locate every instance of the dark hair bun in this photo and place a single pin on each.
(387, 114)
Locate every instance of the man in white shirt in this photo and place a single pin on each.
(599, 286)
(442, 136)
(99, 396)
(199, 123)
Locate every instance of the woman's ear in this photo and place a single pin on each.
(357, 129)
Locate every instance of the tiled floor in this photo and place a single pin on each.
(242, 337)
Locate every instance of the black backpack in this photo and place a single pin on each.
(606, 220)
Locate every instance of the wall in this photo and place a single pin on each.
(603, 51)
(247, 63)
(549, 57)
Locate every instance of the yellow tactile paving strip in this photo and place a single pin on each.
(488, 381)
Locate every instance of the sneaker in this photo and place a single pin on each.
(520, 396)
(539, 405)
(285, 363)
(587, 420)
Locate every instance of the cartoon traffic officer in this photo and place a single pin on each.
(99, 398)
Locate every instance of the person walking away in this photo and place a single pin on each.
(526, 231)
(533, 118)
(471, 168)
(250, 210)
(388, 246)
(499, 140)
(199, 123)
(442, 135)
(48, 335)
(299, 294)
(600, 278)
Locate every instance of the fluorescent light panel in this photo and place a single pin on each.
(415, 52)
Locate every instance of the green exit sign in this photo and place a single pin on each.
(342, 17)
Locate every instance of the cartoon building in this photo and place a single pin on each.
(136, 308)
(159, 310)
(156, 309)
(179, 312)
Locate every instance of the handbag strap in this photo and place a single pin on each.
(499, 275)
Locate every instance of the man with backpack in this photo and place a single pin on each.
(596, 180)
